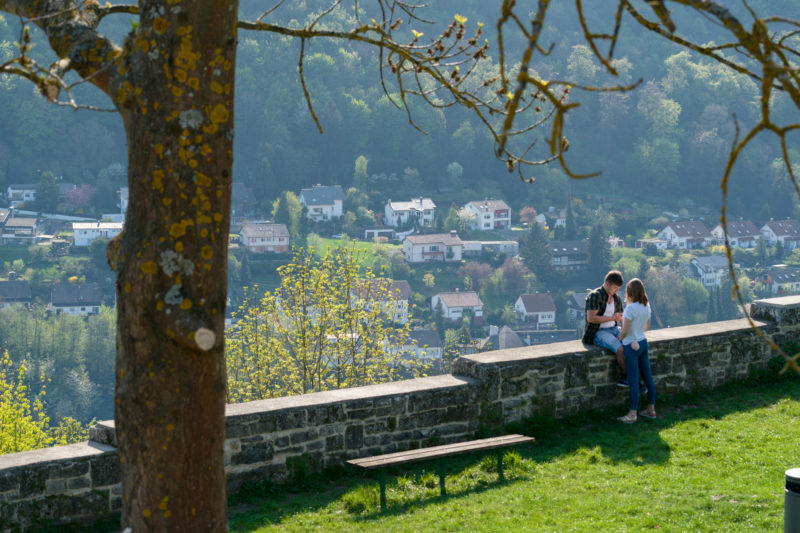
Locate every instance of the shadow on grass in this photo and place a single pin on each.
(598, 432)
(640, 443)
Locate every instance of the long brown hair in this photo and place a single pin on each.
(635, 292)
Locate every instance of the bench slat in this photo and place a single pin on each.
(444, 450)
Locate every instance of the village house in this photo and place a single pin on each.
(570, 255)
(435, 247)
(393, 297)
(21, 231)
(476, 248)
(418, 211)
(378, 232)
(500, 338)
(741, 234)
(322, 202)
(576, 306)
(84, 233)
(262, 237)
(537, 310)
(688, 234)
(782, 280)
(786, 232)
(456, 305)
(16, 293)
(660, 244)
(710, 270)
(490, 214)
(18, 194)
(75, 299)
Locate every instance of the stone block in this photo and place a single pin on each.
(9, 480)
(328, 414)
(334, 442)
(79, 483)
(105, 470)
(354, 437)
(55, 486)
(290, 420)
(253, 450)
(304, 436)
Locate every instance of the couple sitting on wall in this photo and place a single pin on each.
(603, 315)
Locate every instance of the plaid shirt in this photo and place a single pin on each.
(597, 299)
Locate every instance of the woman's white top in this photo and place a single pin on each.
(638, 315)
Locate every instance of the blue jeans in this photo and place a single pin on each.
(608, 338)
(638, 362)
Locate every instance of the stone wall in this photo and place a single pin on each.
(272, 440)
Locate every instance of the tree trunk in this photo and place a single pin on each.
(171, 264)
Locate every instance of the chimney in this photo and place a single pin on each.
(453, 233)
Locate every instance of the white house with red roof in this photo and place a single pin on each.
(741, 234)
(537, 309)
(686, 235)
(262, 237)
(786, 232)
(490, 214)
(436, 247)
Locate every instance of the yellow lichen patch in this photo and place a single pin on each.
(146, 513)
(163, 504)
(166, 201)
(216, 87)
(121, 95)
(156, 105)
(219, 114)
(206, 252)
(227, 88)
(170, 427)
(204, 232)
(159, 148)
(149, 267)
(217, 217)
(176, 91)
(210, 128)
(194, 83)
(202, 179)
(205, 150)
(159, 306)
(193, 163)
(158, 178)
(177, 230)
(128, 287)
(186, 304)
(180, 75)
(179, 246)
(160, 25)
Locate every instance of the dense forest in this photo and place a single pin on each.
(667, 140)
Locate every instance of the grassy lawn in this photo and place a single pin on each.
(712, 461)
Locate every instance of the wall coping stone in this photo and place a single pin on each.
(56, 453)
(571, 348)
(318, 399)
(780, 302)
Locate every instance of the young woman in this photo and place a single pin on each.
(635, 321)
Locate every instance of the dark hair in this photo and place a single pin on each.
(635, 291)
(615, 278)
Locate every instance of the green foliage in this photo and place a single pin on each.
(686, 472)
(24, 423)
(327, 326)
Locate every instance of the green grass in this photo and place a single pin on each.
(713, 461)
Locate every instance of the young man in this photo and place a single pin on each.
(603, 315)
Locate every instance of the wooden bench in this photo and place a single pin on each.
(439, 453)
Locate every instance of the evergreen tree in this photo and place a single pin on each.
(534, 249)
(47, 193)
(599, 250)
(571, 230)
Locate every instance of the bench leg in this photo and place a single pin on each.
(383, 488)
(500, 465)
(442, 488)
